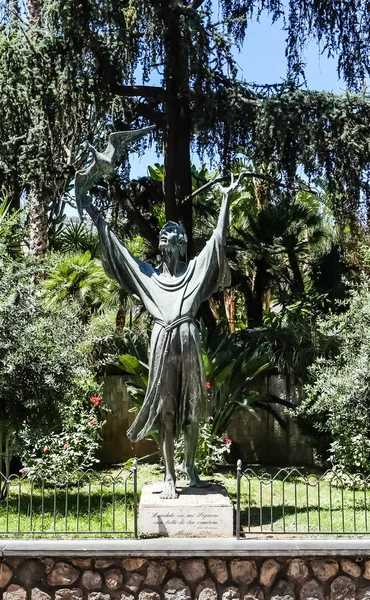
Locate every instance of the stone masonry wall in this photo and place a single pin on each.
(184, 579)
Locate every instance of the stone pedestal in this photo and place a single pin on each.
(197, 512)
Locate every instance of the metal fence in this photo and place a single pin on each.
(291, 501)
(283, 502)
(88, 503)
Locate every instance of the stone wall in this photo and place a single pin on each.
(139, 578)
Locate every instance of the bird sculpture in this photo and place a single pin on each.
(103, 165)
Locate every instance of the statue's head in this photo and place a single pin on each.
(172, 238)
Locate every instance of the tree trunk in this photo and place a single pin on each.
(297, 275)
(261, 285)
(262, 192)
(8, 456)
(253, 306)
(34, 12)
(254, 309)
(267, 301)
(1, 451)
(254, 294)
(230, 308)
(207, 314)
(214, 310)
(120, 318)
(5, 459)
(37, 222)
(37, 206)
(249, 304)
(177, 179)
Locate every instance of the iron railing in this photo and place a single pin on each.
(287, 501)
(291, 501)
(89, 503)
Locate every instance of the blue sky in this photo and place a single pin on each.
(263, 58)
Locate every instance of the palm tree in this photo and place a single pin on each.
(73, 237)
(36, 200)
(81, 278)
(302, 229)
(236, 374)
(274, 244)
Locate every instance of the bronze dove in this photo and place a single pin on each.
(104, 163)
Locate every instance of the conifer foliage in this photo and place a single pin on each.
(72, 70)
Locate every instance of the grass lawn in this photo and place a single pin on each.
(99, 503)
(275, 503)
(102, 504)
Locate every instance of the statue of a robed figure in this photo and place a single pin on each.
(176, 397)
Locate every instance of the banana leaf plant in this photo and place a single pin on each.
(236, 378)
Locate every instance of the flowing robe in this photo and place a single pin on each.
(176, 375)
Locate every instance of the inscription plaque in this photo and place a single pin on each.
(206, 512)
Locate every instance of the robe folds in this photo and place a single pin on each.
(176, 374)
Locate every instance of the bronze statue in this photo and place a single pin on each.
(172, 293)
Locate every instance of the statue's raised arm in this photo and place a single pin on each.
(118, 263)
(223, 218)
(211, 266)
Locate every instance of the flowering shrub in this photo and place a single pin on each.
(95, 400)
(56, 456)
(48, 395)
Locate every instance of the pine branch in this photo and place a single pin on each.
(267, 178)
(247, 100)
(143, 91)
(146, 111)
(196, 4)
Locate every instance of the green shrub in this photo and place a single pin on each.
(45, 381)
(336, 408)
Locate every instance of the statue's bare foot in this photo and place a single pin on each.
(169, 491)
(194, 480)
(199, 483)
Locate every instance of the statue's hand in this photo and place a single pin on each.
(85, 201)
(92, 212)
(226, 191)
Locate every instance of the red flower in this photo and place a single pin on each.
(95, 400)
(208, 385)
(23, 471)
(66, 445)
(46, 449)
(93, 422)
(229, 441)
